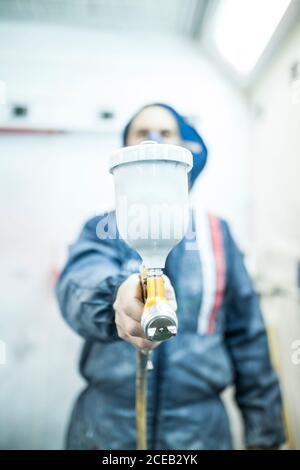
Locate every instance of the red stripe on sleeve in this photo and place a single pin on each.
(218, 248)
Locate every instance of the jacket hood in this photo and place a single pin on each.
(191, 139)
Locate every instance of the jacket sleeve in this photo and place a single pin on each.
(257, 389)
(87, 287)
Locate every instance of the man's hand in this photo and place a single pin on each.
(129, 307)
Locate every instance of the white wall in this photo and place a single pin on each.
(50, 184)
(275, 227)
(276, 163)
(74, 73)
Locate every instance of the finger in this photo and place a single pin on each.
(120, 331)
(133, 328)
(142, 343)
(128, 325)
(134, 310)
(139, 343)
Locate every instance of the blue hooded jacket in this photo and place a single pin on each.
(221, 341)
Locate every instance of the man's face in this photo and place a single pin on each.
(154, 123)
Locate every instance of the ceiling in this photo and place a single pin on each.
(191, 19)
(179, 17)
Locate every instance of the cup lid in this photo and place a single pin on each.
(150, 150)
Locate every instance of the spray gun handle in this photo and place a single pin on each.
(159, 321)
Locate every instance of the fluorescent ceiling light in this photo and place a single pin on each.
(243, 28)
(2, 92)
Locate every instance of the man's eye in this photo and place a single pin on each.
(142, 132)
(166, 133)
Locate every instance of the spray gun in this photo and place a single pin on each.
(159, 322)
(152, 211)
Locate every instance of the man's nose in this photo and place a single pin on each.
(155, 136)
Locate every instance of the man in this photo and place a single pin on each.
(221, 338)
